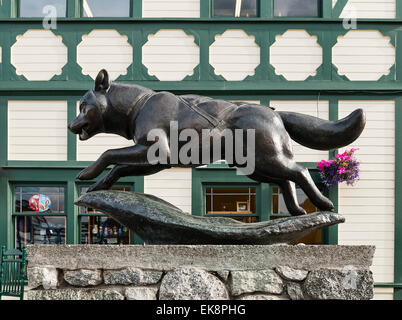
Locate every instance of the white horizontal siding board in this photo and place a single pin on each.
(383, 293)
(37, 139)
(172, 185)
(92, 149)
(170, 55)
(296, 55)
(369, 9)
(318, 109)
(104, 49)
(38, 55)
(170, 8)
(234, 55)
(363, 55)
(369, 206)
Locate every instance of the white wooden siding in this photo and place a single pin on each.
(234, 55)
(383, 294)
(363, 55)
(370, 9)
(369, 205)
(170, 55)
(37, 130)
(104, 49)
(318, 109)
(90, 150)
(296, 55)
(171, 8)
(38, 55)
(172, 185)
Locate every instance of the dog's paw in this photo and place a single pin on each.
(85, 174)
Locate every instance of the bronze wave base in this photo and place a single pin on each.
(159, 222)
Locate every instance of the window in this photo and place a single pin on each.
(35, 8)
(39, 215)
(97, 228)
(296, 8)
(279, 210)
(235, 8)
(236, 203)
(105, 8)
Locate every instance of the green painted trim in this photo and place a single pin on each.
(205, 9)
(331, 234)
(388, 285)
(3, 131)
(71, 137)
(398, 199)
(136, 9)
(337, 10)
(326, 9)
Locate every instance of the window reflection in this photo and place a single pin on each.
(34, 8)
(39, 230)
(105, 8)
(296, 8)
(235, 8)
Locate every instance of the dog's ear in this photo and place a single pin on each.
(102, 81)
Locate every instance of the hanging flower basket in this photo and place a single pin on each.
(345, 167)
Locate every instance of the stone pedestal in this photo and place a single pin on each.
(188, 272)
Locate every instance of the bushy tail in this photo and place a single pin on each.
(321, 134)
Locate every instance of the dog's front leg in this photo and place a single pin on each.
(135, 155)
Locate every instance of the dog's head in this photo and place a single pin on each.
(92, 106)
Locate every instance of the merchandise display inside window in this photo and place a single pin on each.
(103, 230)
(105, 8)
(296, 8)
(235, 8)
(279, 210)
(39, 230)
(40, 8)
(232, 201)
(96, 228)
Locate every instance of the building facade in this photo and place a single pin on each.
(324, 58)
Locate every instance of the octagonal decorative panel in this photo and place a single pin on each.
(234, 55)
(38, 55)
(170, 55)
(104, 49)
(296, 55)
(363, 55)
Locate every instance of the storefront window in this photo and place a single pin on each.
(39, 215)
(235, 8)
(39, 230)
(97, 228)
(105, 8)
(279, 210)
(39, 9)
(236, 203)
(296, 8)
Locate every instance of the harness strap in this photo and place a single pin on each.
(202, 113)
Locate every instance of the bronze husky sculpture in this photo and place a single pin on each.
(132, 111)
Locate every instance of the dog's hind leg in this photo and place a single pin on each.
(288, 190)
(287, 169)
(120, 171)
